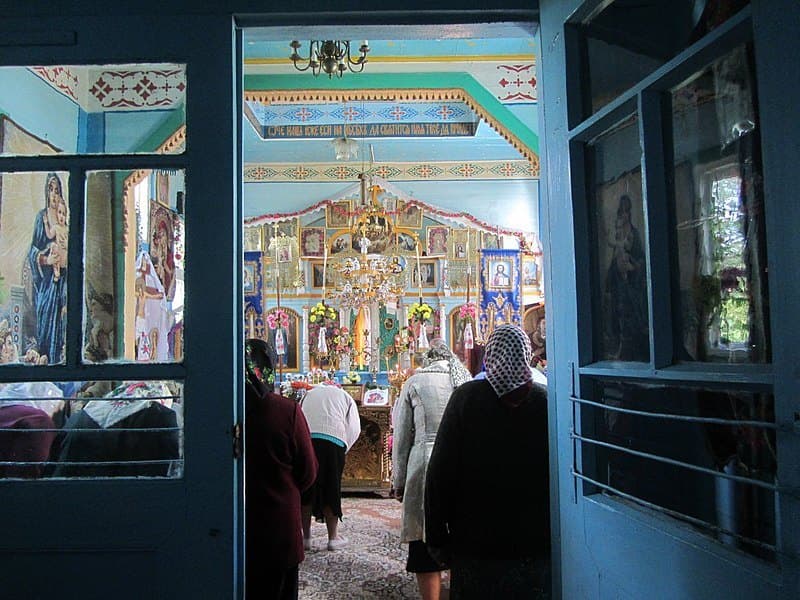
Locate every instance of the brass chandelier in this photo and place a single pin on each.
(369, 277)
(329, 57)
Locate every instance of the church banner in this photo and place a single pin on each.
(500, 290)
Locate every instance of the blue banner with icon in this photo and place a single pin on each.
(500, 294)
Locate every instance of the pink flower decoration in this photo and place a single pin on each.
(468, 311)
(277, 319)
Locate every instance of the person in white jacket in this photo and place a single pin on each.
(417, 413)
(335, 425)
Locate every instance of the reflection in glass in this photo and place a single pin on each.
(719, 209)
(34, 232)
(734, 449)
(93, 109)
(146, 323)
(621, 310)
(91, 429)
(625, 43)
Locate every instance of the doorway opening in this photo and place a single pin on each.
(379, 208)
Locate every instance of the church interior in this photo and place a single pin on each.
(380, 211)
(351, 202)
(381, 215)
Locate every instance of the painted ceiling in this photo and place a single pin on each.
(453, 150)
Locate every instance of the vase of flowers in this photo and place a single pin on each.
(342, 346)
(420, 312)
(323, 320)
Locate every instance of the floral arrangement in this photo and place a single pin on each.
(278, 318)
(320, 311)
(342, 341)
(420, 311)
(468, 311)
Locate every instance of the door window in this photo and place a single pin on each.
(124, 261)
(674, 207)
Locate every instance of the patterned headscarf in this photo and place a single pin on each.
(258, 369)
(439, 350)
(507, 359)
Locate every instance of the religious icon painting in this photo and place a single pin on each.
(286, 228)
(376, 397)
(458, 243)
(249, 278)
(316, 267)
(162, 246)
(337, 214)
(490, 241)
(284, 253)
(409, 214)
(252, 239)
(162, 187)
(530, 275)
(341, 243)
(406, 240)
(436, 240)
(312, 241)
(500, 273)
(425, 275)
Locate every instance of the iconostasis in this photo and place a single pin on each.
(363, 280)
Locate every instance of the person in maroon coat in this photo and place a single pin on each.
(279, 465)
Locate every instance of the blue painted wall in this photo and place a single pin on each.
(34, 100)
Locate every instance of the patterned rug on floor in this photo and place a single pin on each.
(371, 565)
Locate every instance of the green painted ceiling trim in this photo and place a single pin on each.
(405, 81)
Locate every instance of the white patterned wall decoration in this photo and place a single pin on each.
(64, 79)
(397, 171)
(124, 88)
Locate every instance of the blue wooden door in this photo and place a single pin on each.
(128, 120)
(670, 220)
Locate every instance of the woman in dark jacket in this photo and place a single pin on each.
(279, 465)
(487, 510)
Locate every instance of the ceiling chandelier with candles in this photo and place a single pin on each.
(331, 57)
(370, 276)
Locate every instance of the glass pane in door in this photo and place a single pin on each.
(34, 231)
(91, 429)
(92, 109)
(719, 208)
(621, 320)
(653, 437)
(134, 266)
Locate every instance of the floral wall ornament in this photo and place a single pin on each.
(468, 311)
(277, 318)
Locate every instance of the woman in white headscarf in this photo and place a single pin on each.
(419, 409)
(486, 490)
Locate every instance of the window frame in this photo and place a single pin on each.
(650, 99)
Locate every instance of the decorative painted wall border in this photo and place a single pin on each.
(126, 88)
(396, 171)
(397, 87)
(512, 79)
